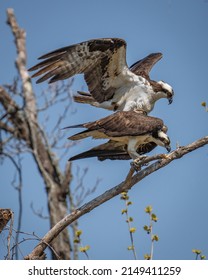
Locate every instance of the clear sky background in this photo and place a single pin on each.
(179, 192)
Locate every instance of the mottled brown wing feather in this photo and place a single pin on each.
(126, 123)
(100, 60)
(65, 63)
(122, 123)
(123, 155)
(144, 66)
(140, 68)
(105, 151)
(114, 151)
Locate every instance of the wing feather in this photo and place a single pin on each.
(144, 66)
(139, 68)
(122, 123)
(113, 150)
(127, 123)
(100, 60)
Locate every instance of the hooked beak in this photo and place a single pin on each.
(170, 100)
(168, 148)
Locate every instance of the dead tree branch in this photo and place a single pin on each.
(22, 123)
(18, 187)
(124, 186)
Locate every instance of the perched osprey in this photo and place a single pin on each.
(130, 129)
(112, 85)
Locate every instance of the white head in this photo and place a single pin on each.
(162, 138)
(167, 90)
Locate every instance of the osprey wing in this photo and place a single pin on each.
(114, 151)
(119, 124)
(109, 150)
(144, 66)
(102, 61)
(127, 123)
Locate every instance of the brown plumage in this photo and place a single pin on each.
(114, 151)
(91, 58)
(112, 85)
(119, 124)
(140, 68)
(144, 66)
(134, 132)
(84, 97)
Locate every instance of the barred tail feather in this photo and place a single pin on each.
(84, 98)
(110, 150)
(102, 155)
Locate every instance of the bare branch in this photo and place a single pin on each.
(20, 35)
(23, 123)
(57, 93)
(10, 234)
(6, 127)
(124, 186)
(14, 115)
(38, 212)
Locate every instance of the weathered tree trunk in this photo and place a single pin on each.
(22, 123)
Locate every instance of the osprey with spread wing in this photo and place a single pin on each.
(112, 85)
(130, 133)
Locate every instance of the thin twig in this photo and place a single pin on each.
(10, 234)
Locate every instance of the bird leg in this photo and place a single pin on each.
(139, 162)
(132, 151)
(145, 160)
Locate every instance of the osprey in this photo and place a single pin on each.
(131, 130)
(112, 85)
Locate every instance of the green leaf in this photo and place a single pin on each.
(129, 203)
(155, 238)
(124, 196)
(76, 240)
(130, 219)
(154, 217)
(84, 249)
(148, 209)
(132, 230)
(123, 211)
(147, 257)
(196, 251)
(78, 233)
(146, 228)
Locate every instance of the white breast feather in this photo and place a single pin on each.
(134, 94)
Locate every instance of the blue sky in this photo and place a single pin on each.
(178, 193)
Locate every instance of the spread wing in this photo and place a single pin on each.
(102, 61)
(113, 150)
(144, 66)
(139, 68)
(123, 123)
